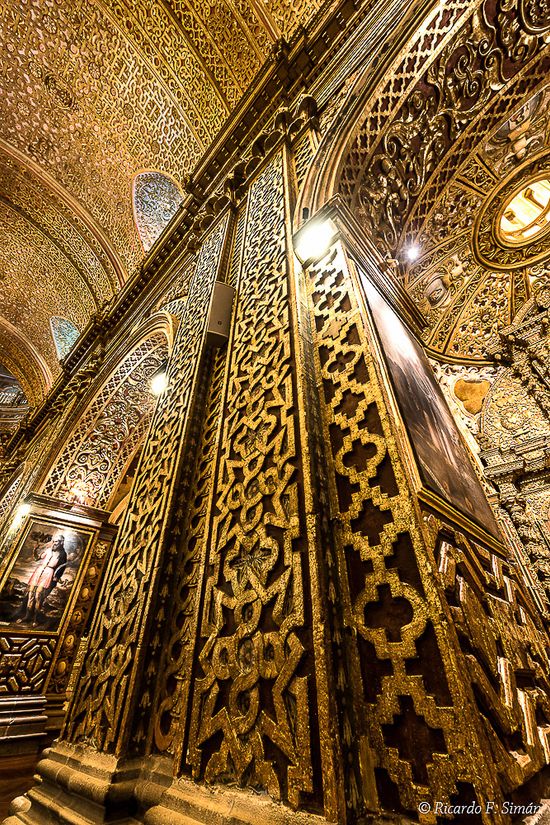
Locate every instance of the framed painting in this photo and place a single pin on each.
(444, 465)
(36, 590)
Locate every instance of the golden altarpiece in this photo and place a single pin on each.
(294, 602)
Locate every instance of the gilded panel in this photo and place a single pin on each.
(432, 718)
(106, 690)
(24, 663)
(252, 716)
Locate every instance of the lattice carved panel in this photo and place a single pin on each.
(24, 663)
(110, 430)
(168, 673)
(505, 649)
(251, 719)
(409, 698)
(106, 690)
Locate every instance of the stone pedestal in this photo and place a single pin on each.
(22, 736)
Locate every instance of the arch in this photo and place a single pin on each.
(65, 334)
(156, 198)
(421, 162)
(102, 443)
(375, 139)
(24, 361)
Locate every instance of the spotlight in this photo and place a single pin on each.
(21, 512)
(412, 252)
(314, 240)
(159, 383)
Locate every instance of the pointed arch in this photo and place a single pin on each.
(156, 198)
(102, 442)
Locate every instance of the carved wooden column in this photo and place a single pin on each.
(108, 689)
(247, 690)
(293, 606)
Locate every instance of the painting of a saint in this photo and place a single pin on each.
(40, 581)
(444, 465)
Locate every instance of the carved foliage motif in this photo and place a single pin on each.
(108, 433)
(251, 704)
(102, 702)
(491, 48)
(400, 77)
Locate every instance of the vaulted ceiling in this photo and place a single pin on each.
(451, 134)
(91, 93)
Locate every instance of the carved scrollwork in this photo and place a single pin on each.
(492, 46)
(101, 701)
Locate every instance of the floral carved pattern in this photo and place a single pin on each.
(490, 49)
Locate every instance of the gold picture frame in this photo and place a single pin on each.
(42, 578)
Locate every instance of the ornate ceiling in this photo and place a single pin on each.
(91, 93)
(450, 134)
(469, 281)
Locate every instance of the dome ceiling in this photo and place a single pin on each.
(450, 139)
(470, 281)
(92, 93)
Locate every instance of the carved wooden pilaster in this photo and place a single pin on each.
(108, 688)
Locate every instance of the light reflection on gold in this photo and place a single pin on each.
(527, 214)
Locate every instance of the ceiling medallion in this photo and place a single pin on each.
(526, 215)
(513, 226)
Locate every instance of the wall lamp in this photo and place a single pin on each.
(159, 381)
(313, 241)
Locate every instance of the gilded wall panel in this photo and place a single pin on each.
(106, 690)
(252, 716)
(415, 708)
(493, 47)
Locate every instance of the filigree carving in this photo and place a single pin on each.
(183, 575)
(251, 714)
(489, 50)
(109, 431)
(103, 696)
(505, 651)
(386, 593)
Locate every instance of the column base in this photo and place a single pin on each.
(22, 737)
(78, 786)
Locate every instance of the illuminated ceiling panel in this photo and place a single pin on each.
(91, 93)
